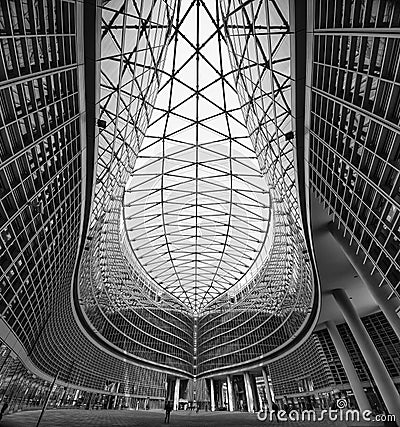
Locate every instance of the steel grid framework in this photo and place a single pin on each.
(355, 129)
(197, 208)
(189, 128)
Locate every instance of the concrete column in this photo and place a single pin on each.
(253, 385)
(170, 390)
(61, 402)
(230, 393)
(351, 373)
(267, 389)
(212, 395)
(217, 393)
(249, 392)
(220, 393)
(117, 385)
(75, 398)
(379, 373)
(372, 282)
(176, 394)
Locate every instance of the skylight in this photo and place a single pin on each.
(196, 207)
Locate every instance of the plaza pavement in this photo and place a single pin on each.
(152, 418)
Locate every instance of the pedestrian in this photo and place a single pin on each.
(168, 409)
(275, 410)
(286, 408)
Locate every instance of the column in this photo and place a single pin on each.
(176, 394)
(87, 405)
(75, 397)
(220, 394)
(253, 385)
(249, 392)
(230, 393)
(380, 375)
(116, 394)
(351, 373)
(267, 388)
(62, 397)
(172, 391)
(212, 395)
(216, 393)
(372, 282)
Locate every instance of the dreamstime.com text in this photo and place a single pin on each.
(342, 414)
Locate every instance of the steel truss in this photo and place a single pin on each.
(195, 206)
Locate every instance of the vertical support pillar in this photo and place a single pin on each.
(380, 293)
(116, 394)
(89, 401)
(379, 373)
(253, 385)
(212, 395)
(61, 402)
(230, 393)
(176, 394)
(109, 401)
(75, 397)
(249, 392)
(170, 390)
(217, 393)
(221, 394)
(267, 388)
(351, 373)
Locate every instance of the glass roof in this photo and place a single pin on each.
(197, 207)
(195, 217)
(196, 159)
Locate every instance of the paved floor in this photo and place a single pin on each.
(81, 417)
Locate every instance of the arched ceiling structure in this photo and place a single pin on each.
(197, 256)
(197, 208)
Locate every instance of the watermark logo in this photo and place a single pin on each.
(340, 414)
(341, 403)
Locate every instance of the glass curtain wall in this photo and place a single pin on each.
(195, 225)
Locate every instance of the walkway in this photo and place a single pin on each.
(154, 418)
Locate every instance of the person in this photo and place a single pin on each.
(198, 409)
(275, 410)
(137, 405)
(286, 408)
(168, 409)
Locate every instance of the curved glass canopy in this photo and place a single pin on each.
(197, 207)
(196, 259)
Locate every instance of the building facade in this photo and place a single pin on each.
(353, 137)
(155, 216)
(323, 379)
(354, 127)
(77, 308)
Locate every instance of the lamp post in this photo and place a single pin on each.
(47, 399)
